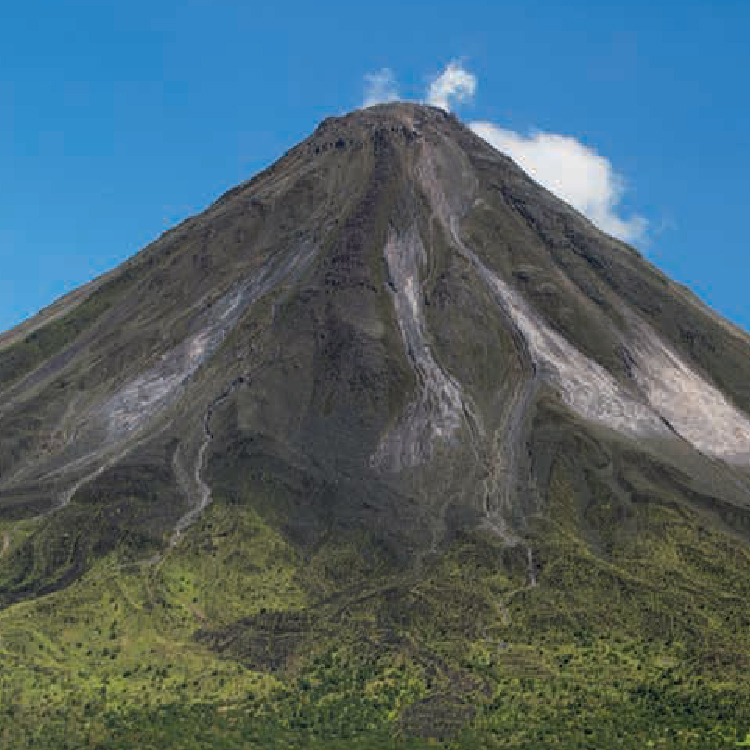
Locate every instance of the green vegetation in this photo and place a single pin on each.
(222, 644)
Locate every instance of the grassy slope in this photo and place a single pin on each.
(647, 644)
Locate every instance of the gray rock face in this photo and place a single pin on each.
(381, 324)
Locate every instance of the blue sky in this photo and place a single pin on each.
(119, 119)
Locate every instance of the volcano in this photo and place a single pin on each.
(388, 445)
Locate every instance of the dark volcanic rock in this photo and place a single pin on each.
(390, 331)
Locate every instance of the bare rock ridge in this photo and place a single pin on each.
(393, 331)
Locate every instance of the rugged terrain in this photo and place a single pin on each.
(387, 447)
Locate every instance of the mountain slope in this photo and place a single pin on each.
(387, 440)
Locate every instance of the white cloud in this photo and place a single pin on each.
(453, 84)
(568, 168)
(380, 87)
(572, 171)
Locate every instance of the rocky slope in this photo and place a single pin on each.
(426, 402)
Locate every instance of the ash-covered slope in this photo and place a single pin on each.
(392, 329)
(388, 442)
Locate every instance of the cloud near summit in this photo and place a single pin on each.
(453, 84)
(568, 168)
(572, 171)
(380, 88)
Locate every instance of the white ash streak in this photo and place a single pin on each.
(585, 386)
(439, 409)
(149, 393)
(670, 395)
(119, 423)
(695, 409)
